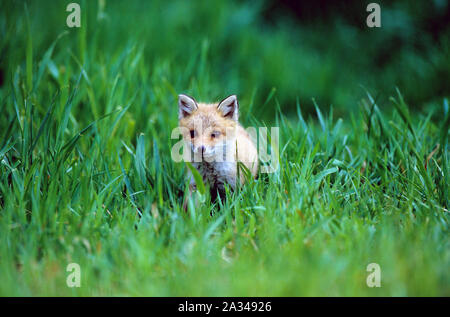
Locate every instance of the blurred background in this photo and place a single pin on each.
(286, 50)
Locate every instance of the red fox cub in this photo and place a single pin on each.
(217, 142)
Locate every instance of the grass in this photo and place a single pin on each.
(86, 176)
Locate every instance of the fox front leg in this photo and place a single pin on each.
(192, 188)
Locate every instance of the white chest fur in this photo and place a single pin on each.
(216, 174)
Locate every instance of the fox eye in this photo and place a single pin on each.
(192, 134)
(215, 134)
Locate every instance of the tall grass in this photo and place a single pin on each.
(86, 176)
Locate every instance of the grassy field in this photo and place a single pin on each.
(86, 174)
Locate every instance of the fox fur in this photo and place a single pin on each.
(217, 141)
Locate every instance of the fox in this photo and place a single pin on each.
(217, 142)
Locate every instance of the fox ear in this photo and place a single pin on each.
(229, 107)
(186, 106)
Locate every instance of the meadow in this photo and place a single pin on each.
(86, 174)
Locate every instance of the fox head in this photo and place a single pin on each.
(207, 128)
